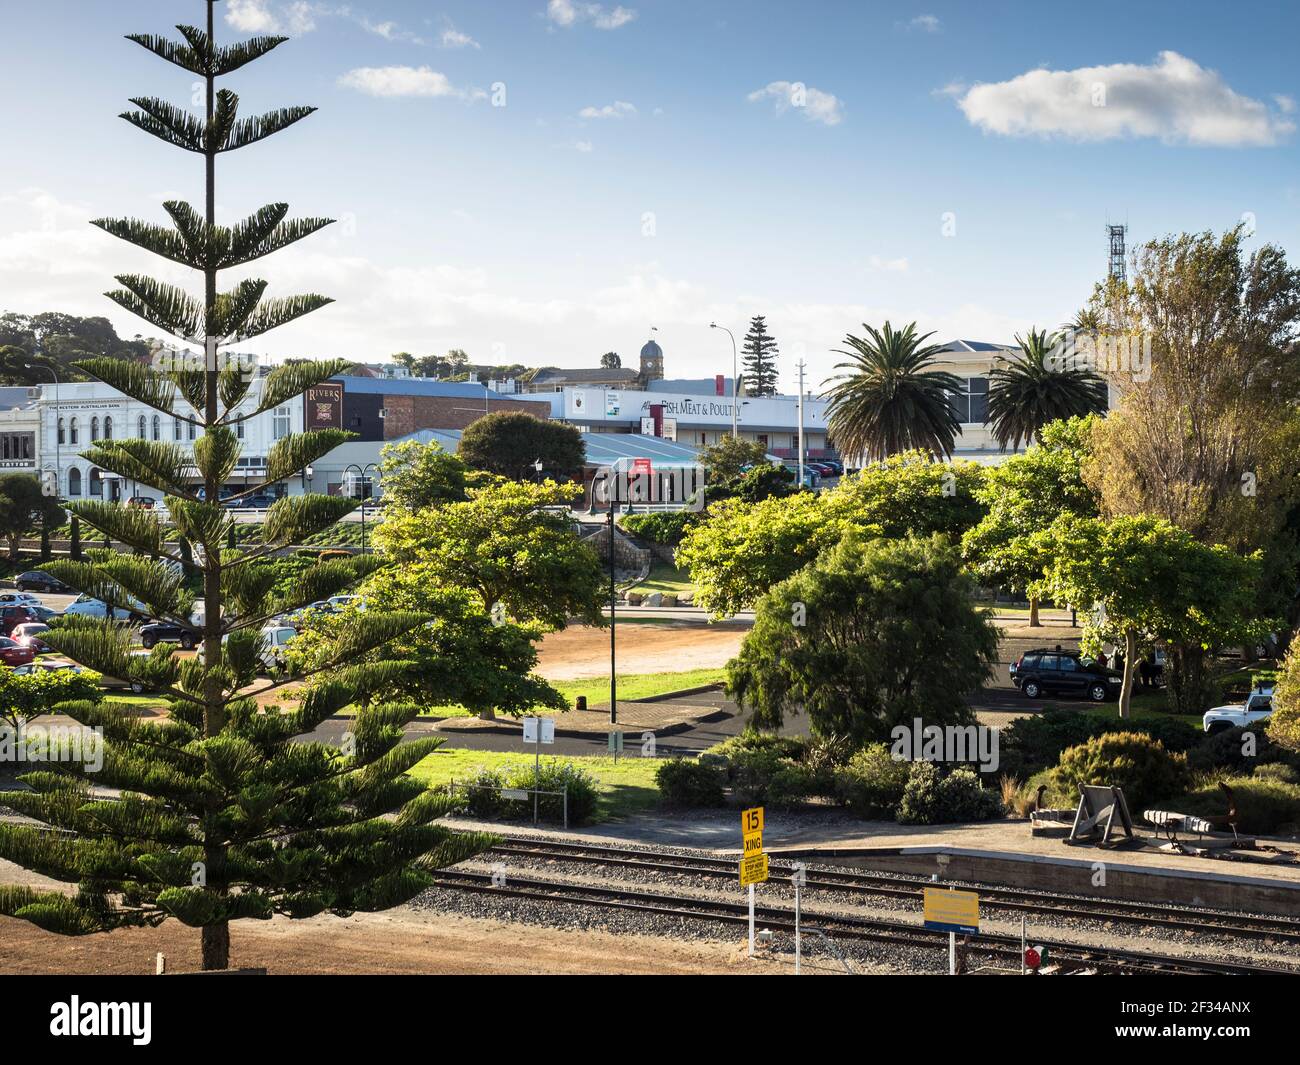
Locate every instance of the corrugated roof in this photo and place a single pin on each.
(603, 449)
(384, 386)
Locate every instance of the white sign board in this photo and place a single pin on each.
(647, 427)
(547, 729)
(670, 429)
(611, 404)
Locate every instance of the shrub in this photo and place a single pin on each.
(1132, 760)
(683, 782)
(1031, 744)
(482, 795)
(1266, 806)
(1228, 750)
(768, 742)
(1287, 774)
(933, 798)
(555, 775)
(791, 785)
(665, 528)
(751, 774)
(24, 696)
(872, 782)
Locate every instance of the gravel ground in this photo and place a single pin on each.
(778, 892)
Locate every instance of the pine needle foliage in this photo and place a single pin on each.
(218, 812)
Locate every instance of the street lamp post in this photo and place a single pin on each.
(361, 473)
(58, 444)
(735, 380)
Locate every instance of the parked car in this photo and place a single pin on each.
(157, 632)
(143, 502)
(28, 634)
(1257, 707)
(277, 639)
(342, 602)
(12, 653)
(1055, 672)
(14, 615)
(36, 581)
(85, 606)
(19, 599)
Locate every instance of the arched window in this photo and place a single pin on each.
(157, 427)
(108, 428)
(94, 429)
(176, 429)
(140, 423)
(96, 482)
(62, 439)
(74, 480)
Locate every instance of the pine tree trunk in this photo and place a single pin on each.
(1126, 687)
(216, 947)
(1034, 623)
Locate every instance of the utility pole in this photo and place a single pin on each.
(801, 367)
(735, 381)
(613, 601)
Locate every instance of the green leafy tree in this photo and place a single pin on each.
(23, 505)
(1149, 579)
(1041, 384)
(1284, 725)
(24, 696)
(611, 361)
(1024, 495)
(415, 475)
(759, 351)
(741, 549)
(510, 443)
(727, 459)
(221, 816)
(510, 544)
(892, 399)
(871, 635)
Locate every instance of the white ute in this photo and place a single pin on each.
(1257, 707)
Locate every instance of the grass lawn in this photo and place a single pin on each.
(596, 689)
(1144, 706)
(665, 578)
(625, 788)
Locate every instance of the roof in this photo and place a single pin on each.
(603, 449)
(21, 397)
(552, 373)
(974, 345)
(384, 386)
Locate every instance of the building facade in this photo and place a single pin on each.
(20, 430)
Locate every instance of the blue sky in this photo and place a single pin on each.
(793, 160)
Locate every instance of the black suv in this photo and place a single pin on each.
(157, 632)
(1043, 672)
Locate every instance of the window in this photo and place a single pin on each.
(972, 404)
(157, 427)
(190, 430)
(108, 428)
(176, 429)
(140, 425)
(74, 482)
(62, 439)
(239, 430)
(280, 426)
(72, 430)
(1050, 663)
(94, 429)
(96, 483)
(1029, 662)
(1068, 664)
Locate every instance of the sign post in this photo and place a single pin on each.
(952, 912)
(753, 864)
(538, 730)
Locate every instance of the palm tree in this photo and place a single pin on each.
(891, 400)
(1037, 386)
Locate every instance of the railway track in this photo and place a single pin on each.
(842, 927)
(1010, 900)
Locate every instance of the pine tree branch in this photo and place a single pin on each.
(251, 130)
(168, 123)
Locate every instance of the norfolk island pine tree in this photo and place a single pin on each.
(220, 815)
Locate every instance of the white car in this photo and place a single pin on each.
(277, 638)
(85, 606)
(340, 602)
(19, 599)
(1257, 707)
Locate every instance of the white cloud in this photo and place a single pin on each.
(584, 146)
(250, 16)
(390, 31)
(1174, 100)
(453, 38)
(926, 24)
(815, 105)
(1285, 104)
(301, 17)
(404, 81)
(618, 109)
(572, 12)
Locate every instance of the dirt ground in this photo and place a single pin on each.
(582, 651)
(400, 942)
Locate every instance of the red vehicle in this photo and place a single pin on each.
(29, 633)
(13, 616)
(12, 654)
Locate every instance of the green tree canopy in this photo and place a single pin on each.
(872, 635)
(758, 354)
(1152, 580)
(23, 505)
(509, 443)
(726, 460)
(415, 475)
(1042, 383)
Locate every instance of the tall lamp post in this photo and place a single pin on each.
(735, 380)
(361, 473)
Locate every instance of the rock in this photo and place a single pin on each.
(634, 598)
(670, 599)
(654, 599)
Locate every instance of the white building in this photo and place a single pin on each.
(91, 410)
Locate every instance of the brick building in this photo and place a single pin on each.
(383, 409)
